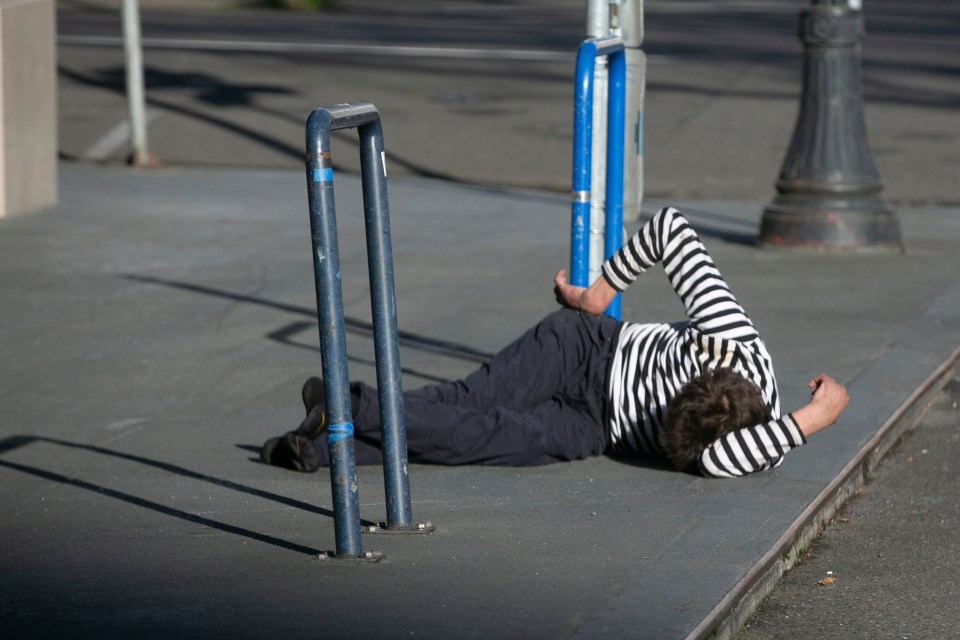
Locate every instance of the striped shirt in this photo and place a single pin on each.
(653, 361)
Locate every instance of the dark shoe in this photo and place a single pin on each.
(315, 402)
(313, 394)
(314, 424)
(291, 451)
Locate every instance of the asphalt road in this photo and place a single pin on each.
(887, 566)
(481, 92)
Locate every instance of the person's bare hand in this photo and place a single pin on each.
(567, 294)
(828, 399)
(594, 299)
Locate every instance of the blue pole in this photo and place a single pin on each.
(326, 265)
(582, 152)
(616, 117)
(612, 47)
(386, 343)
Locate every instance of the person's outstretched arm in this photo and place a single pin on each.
(669, 239)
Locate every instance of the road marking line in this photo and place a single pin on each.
(471, 53)
(317, 47)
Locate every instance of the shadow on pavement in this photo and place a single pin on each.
(16, 442)
(351, 325)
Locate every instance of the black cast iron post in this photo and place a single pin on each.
(829, 187)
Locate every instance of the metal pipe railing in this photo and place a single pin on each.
(612, 48)
(366, 119)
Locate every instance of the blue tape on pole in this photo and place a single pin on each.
(339, 432)
(324, 174)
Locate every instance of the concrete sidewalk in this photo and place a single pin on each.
(156, 328)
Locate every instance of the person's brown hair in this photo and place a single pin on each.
(708, 407)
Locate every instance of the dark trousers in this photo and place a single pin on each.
(539, 400)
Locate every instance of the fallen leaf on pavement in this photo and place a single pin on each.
(826, 581)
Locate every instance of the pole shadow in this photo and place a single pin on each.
(209, 90)
(352, 325)
(19, 441)
(285, 335)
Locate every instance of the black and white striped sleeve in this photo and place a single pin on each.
(751, 449)
(669, 239)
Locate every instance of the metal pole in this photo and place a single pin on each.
(625, 19)
(615, 161)
(582, 158)
(829, 187)
(631, 31)
(598, 18)
(384, 306)
(611, 47)
(365, 118)
(600, 14)
(598, 167)
(140, 155)
(326, 265)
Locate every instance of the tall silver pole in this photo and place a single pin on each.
(598, 169)
(140, 155)
(623, 18)
(631, 32)
(598, 26)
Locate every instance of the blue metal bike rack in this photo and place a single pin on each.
(612, 47)
(326, 262)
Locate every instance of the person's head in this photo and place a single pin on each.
(708, 407)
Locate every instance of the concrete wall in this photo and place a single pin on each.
(28, 106)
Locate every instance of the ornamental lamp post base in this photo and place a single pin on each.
(830, 222)
(829, 187)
